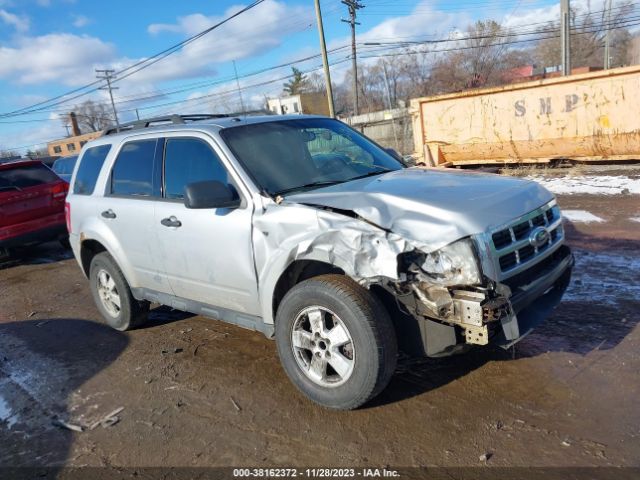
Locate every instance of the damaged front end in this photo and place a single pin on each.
(455, 305)
(446, 297)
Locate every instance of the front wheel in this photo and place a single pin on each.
(336, 341)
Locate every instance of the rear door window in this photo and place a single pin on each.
(188, 160)
(25, 176)
(89, 169)
(132, 174)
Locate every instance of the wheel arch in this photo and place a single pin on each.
(88, 249)
(91, 243)
(296, 272)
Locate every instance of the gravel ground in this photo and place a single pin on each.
(197, 392)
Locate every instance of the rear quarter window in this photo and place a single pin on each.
(89, 169)
(25, 176)
(132, 173)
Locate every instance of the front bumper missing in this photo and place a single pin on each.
(501, 317)
(533, 303)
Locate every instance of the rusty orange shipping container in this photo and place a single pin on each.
(587, 117)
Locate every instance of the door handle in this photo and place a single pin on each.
(171, 222)
(108, 214)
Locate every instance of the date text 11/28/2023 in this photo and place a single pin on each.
(315, 473)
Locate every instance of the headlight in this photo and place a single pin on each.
(454, 264)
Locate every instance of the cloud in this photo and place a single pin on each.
(257, 31)
(19, 22)
(539, 16)
(58, 57)
(425, 20)
(80, 21)
(39, 59)
(32, 137)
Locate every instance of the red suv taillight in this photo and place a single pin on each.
(59, 191)
(67, 215)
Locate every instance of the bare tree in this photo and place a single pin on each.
(415, 70)
(92, 116)
(315, 83)
(482, 59)
(587, 38)
(4, 154)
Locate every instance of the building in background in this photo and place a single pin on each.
(73, 144)
(302, 103)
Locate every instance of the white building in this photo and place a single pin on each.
(309, 103)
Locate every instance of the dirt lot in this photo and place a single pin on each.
(197, 392)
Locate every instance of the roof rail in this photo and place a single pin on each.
(150, 122)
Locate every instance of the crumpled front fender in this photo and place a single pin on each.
(286, 233)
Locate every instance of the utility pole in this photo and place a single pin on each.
(235, 70)
(565, 36)
(353, 6)
(325, 60)
(108, 75)
(607, 38)
(393, 123)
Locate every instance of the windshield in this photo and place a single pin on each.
(64, 165)
(289, 155)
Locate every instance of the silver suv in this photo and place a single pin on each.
(303, 229)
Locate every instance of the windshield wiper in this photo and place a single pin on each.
(326, 183)
(371, 174)
(323, 183)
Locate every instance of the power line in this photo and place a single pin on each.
(470, 47)
(131, 69)
(161, 93)
(166, 92)
(395, 45)
(207, 96)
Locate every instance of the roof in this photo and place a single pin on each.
(18, 163)
(209, 124)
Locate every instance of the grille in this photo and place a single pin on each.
(512, 246)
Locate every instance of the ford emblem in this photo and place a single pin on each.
(538, 237)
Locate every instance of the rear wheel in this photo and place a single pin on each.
(336, 341)
(113, 296)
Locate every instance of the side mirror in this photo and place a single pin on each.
(210, 194)
(394, 154)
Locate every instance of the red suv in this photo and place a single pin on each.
(31, 205)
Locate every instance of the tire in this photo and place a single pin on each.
(64, 242)
(131, 313)
(370, 353)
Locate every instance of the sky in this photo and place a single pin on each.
(50, 47)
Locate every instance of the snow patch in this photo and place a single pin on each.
(6, 413)
(635, 219)
(595, 185)
(581, 216)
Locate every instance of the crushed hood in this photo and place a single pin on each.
(433, 207)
